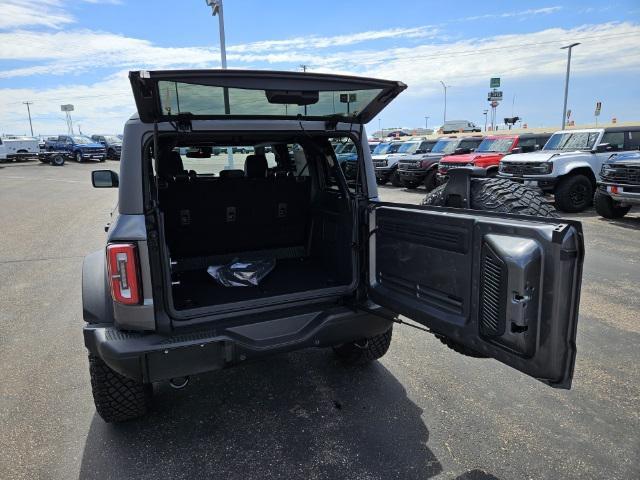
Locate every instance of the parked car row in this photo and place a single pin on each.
(566, 164)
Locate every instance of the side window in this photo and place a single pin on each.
(632, 140)
(346, 156)
(615, 139)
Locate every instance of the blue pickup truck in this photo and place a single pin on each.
(82, 148)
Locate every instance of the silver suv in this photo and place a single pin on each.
(569, 164)
(207, 267)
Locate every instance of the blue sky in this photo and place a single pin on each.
(63, 51)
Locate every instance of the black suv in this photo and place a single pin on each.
(206, 268)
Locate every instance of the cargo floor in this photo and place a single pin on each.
(198, 289)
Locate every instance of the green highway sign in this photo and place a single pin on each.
(495, 82)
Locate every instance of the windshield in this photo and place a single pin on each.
(444, 146)
(502, 145)
(408, 147)
(572, 141)
(373, 146)
(180, 97)
(77, 139)
(386, 148)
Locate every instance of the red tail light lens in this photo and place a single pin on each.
(122, 261)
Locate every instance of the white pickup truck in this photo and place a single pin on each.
(15, 147)
(569, 164)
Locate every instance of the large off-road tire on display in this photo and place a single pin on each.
(608, 208)
(495, 195)
(573, 193)
(499, 195)
(364, 351)
(431, 180)
(117, 398)
(395, 179)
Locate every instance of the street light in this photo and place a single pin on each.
(485, 119)
(445, 100)
(216, 9)
(426, 122)
(566, 82)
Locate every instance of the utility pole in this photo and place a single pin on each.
(445, 100)
(485, 119)
(380, 127)
(216, 9)
(303, 67)
(566, 82)
(29, 113)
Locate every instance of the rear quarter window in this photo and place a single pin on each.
(615, 139)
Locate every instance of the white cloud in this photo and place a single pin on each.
(105, 105)
(39, 13)
(519, 13)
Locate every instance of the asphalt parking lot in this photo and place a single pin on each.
(421, 412)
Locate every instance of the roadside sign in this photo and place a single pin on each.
(598, 108)
(66, 108)
(494, 95)
(494, 82)
(568, 114)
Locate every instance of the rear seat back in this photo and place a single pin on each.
(209, 216)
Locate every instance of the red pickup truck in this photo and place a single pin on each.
(491, 150)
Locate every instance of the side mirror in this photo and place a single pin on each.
(516, 150)
(460, 151)
(420, 151)
(104, 179)
(602, 147)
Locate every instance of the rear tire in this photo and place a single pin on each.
(607, 207)
(573, 193)
(431, 180)
(364, 351)
(117, 398)
(500, 195)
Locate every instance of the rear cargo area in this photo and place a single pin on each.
(255, 214)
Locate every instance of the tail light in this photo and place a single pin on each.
(122, 262)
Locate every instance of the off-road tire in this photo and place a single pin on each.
(431, 180)
(495, 195)
(607, 208)
(117, 398)
(410, 185)
(364, 351)
(499, 195)
(573, 193)
(395, 179)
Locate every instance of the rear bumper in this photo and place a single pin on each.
(153, 357)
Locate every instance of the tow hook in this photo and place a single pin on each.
(179, 383)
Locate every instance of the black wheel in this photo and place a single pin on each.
(410, 185)
(395, 179)
(57, 160)
(607, 207)
(431, 180)
(78, 157)
(103, 159)
(381, 181)
(574, 193)
(364, 351)
(500, 195)
(117, 398)
(111, 153)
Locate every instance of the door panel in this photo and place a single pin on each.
(505, 286)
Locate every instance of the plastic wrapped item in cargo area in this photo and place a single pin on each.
(242, 274)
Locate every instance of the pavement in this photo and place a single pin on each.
(422, 411)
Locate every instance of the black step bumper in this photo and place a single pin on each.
(151, 357)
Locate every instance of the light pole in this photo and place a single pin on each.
(566, 82)
(380, 127)
(445, 100)
(426, 122)
(29, 113)
(216, 9)
(485, 119)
